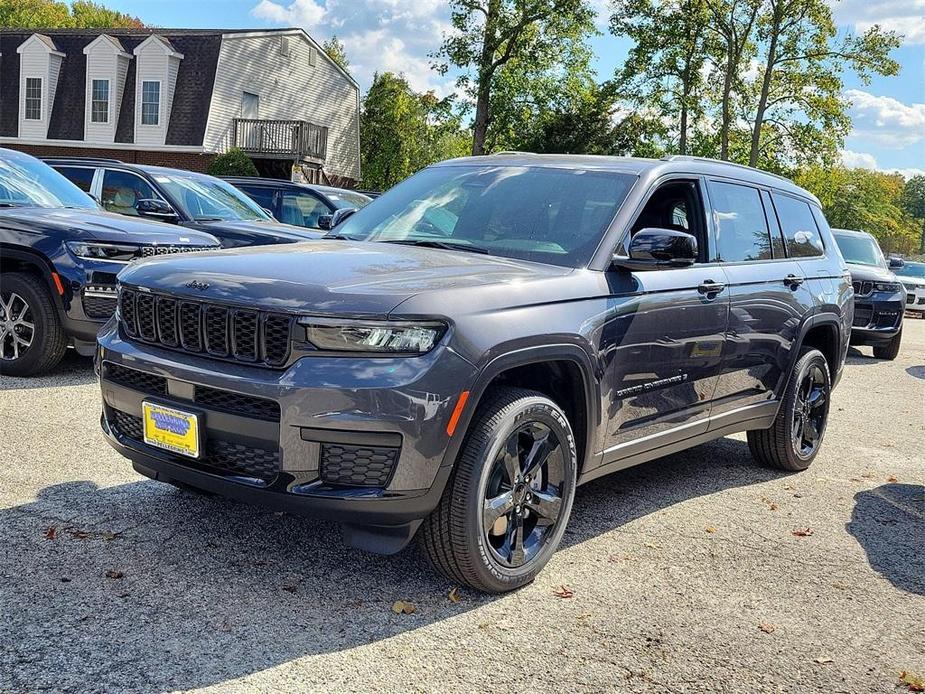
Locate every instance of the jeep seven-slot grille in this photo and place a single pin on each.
(214, 330)
(864, 288)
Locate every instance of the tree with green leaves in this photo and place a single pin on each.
(81, 14)
(664, 70)
(912, 202)
(402, 131)
(234, 162)
(336, 51)
(796, 108)
(489, 34)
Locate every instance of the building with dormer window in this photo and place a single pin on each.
(179, 97)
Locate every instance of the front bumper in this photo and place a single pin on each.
(877, 319)
(361, 441)
(915, 299)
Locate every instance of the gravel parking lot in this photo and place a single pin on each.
(696, 573)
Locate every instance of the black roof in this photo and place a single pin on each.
(192, 96)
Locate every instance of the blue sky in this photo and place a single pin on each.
(888, 115)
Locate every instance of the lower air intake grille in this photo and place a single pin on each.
(357, 466)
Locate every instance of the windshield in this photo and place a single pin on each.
(343, 198)
(860, 250)
(27, 182)
(912, 270)
(206, 199)
(541, 214)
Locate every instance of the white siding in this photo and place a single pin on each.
(36, 61)
(289, 89)
(104, 62)
(154, 64)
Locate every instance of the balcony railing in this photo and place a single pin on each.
(282, 139)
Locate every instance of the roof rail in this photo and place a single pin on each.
(84, 159)
(509, 152)
(709, 160)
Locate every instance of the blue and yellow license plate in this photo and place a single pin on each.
(171, 429)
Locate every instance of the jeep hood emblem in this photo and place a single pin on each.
(196, 284)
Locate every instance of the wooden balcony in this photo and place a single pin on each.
(282, 139)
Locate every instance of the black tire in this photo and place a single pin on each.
(778, 446)
(890, 350)
(48, 342)
(454, 537)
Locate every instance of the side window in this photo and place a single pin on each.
(263, 196)
(676, 205)
(799, 226)
(741, 226)
(302, 209)
(81, 177)
(122, 190)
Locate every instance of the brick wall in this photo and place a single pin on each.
(177, 160)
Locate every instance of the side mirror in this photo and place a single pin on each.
(896, 263)
(652, 249)
(155, 209)
(329, 221)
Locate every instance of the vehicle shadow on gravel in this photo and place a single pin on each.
(185, 591)
(889, 523)
(74, 370)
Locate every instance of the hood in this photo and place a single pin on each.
(873, 273)
(245, 233)
(910, 281)
(97, 225)
(336, 277)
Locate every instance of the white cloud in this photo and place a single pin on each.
(864, 160)
(904, 16)
(886, 121)
(379, 35)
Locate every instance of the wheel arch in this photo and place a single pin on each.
(550, 370)
(820, 331)
(16, 259)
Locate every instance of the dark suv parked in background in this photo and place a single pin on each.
(191, 200)
(300, 204)
(59, 255)
(490, 333)
(879, 297)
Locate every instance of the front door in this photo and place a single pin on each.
(663, 339)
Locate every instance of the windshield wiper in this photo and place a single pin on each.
(11, 204)
(338, 237)
(444, 245)
(208, 219)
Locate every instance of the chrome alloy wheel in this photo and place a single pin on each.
(17, 326)
(523, 496)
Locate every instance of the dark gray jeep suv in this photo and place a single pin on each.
(457, 356)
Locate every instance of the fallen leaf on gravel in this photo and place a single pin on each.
(710, 529)
(789, 487)
(454, 594)
(822, 660)
(771, 505)
(586, 615)
(913, 682)
(224, 626)
(484, 625)
(767, 628)
(651, 546)
(892, 478)
(77, 533)
(402, 607)
(803, 532)
(50, 532)
(114, 574)
(564, 592)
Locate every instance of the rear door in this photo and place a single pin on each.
(767, 291)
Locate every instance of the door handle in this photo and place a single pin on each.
(793, 281)
(710, 287)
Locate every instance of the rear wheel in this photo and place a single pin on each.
(793, 441)
(890, 350)
(505, 508)
(31, 337)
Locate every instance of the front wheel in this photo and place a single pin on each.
(890, 350)
(32, 339)
(505, 508)
(793, 441)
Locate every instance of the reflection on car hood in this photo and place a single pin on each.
(256, 233)
(93, 225)
(331, 276)
(872, 273)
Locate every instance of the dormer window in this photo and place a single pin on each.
(99, 101)
(150, 103)
(33, 98)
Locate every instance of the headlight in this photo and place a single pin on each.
(120, 252)
(887, 287)
(385, 337)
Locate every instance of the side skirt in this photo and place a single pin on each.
(760, 416)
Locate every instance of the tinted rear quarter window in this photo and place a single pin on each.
(741, 225)
(262, 195)
(799, 226)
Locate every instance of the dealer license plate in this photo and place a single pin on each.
(171, 429)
